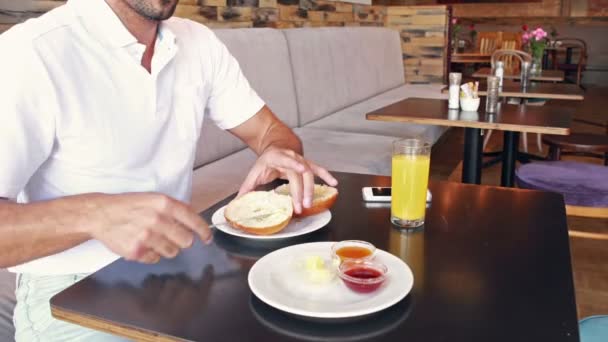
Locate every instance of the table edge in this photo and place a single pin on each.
(530, 95)
(533, 78)
(470, 124)
(107, 326)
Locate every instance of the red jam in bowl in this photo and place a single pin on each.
(362, 276)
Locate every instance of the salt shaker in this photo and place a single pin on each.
(525, 74)
(500, 72)
(492, 96)
(454, 90)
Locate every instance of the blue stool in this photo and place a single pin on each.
(594, 329)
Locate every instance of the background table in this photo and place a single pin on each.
(545, 75)
(536, 90)
(491, 264)
(512, 119)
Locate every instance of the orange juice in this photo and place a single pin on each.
(410, 177)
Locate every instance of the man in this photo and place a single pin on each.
(101, 106)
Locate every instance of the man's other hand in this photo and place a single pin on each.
(286, 164)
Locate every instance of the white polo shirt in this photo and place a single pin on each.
(79, 114)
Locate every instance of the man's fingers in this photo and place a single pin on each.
(149, 257)
(323, 174)
(250, 182)
(161, 245)
(179, 235)
(308, 188)
(295, 189)
(183, 214)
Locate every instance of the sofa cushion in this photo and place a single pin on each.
(336, 67)
(348, 152)
(219, 179)
(264, 58)
(352, 119)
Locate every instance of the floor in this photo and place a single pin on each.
(589, 256)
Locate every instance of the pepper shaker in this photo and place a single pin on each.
(525, 74)
(492, 96)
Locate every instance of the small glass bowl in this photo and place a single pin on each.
(352, 243)
(362, 276)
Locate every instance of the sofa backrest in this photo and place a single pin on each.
(264, 58)
(336, 67)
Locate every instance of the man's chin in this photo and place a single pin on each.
(169, 11)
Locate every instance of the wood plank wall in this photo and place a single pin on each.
(423, 40)
(423, 29)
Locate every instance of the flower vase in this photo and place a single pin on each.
(537, 60)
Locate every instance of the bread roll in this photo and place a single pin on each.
(324, 198)
(260, 212)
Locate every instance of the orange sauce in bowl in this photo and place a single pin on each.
(353, 252)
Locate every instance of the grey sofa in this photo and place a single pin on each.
(320, 82)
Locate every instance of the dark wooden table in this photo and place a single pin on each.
(536, 90)
(511, 74)
(512, 119)
(491, 264)
(592, 110)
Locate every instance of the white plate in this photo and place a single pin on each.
(297, 226)
(276, 281)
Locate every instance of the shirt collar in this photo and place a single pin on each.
(101, 21)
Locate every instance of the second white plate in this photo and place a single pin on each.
(297, 226)
(275, 281)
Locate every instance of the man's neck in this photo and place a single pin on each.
(143, 29)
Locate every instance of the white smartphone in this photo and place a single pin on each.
(383, 194)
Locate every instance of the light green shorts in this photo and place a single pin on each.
(32, 316)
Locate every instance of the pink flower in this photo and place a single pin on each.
(454, 21)
(525, 37)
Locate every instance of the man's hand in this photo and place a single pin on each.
(286, 164)
(144, 226)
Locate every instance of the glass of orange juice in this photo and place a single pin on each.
(410, 178)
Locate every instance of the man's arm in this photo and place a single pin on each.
(139, 226)
(265, 130)
(24, 236)
(280, 156)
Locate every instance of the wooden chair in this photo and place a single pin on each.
(587, 144)
(488, 42)
(591, 137)
(513, 57)
(516, 57)
(573, 46)
(511, 41)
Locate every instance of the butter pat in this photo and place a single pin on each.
(317, 270)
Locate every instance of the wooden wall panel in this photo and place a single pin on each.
(422, 28)
(423, 31)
